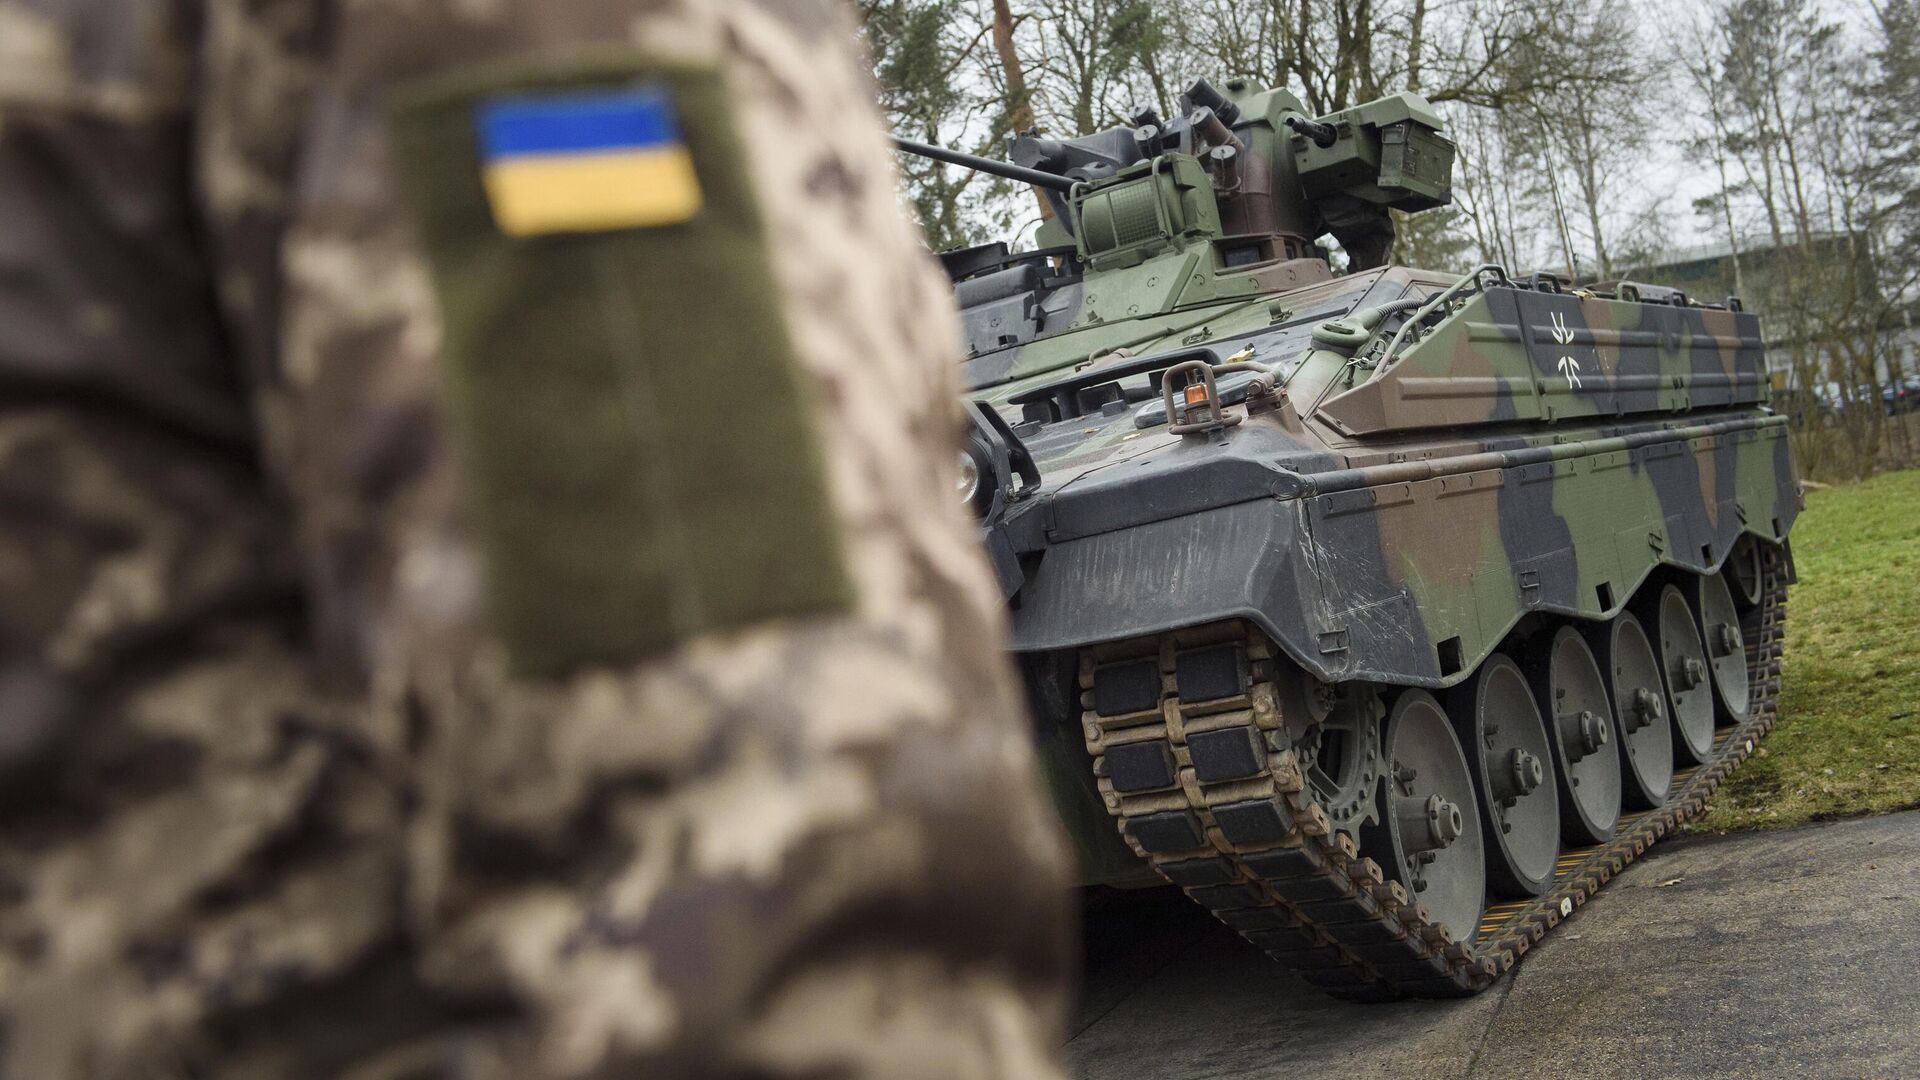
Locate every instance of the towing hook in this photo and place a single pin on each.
(1203, 392)
(1199, 390)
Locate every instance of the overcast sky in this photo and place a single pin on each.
(1670, 177)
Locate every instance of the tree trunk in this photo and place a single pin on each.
(1416, 41)
(1590, 192)
(1726, 192)
(1019, 100)
(1799, 189)
(1560, 215)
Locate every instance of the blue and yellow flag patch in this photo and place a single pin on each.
(585, 162)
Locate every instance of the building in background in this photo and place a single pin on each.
(1808, 284)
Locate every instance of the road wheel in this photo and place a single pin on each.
(1429, 837)
(1639, 709)
(1719, 623)
(1683, 671)
(1743, 573)
(1572, 695)
(1512, 764)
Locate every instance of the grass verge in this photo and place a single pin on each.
(1848, 740)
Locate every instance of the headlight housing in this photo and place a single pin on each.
(968, 484)
(994, 465)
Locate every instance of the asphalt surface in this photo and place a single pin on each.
(1793, 953)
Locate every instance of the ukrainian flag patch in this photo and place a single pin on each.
(585, 162)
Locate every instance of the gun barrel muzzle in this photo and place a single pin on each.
(1323, 135)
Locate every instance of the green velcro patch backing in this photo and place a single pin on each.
(638, 451)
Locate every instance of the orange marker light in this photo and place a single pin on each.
(1196, 395)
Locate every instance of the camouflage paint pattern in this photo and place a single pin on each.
(1395, 522)
(1665, 410)
(272, 808)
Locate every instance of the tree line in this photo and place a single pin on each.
(1782, 134)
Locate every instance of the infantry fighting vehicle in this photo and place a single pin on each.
(1390, 612)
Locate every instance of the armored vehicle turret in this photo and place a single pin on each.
(1388, 613)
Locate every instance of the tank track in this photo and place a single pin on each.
(1207, 788)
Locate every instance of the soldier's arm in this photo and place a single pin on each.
(359, 740)
(723, 767)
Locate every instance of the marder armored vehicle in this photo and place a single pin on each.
(1387, 613)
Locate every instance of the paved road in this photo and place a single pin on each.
(1793, 953)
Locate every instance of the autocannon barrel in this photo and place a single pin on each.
(986, 165)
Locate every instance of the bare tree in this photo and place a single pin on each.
(1807, 124)
(1817, 151)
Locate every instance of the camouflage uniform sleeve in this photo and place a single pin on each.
(806, 847)
(163, 743)
(302, 815)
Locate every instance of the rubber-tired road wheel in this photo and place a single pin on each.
(1639, 709)
(1719, 623)
(1744, 575)
(1429, 837)
(1512, 765)
(1573, 700)
(1683, 671)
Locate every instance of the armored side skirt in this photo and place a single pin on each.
(1411, 573)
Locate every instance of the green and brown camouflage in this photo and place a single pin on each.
(1413, 467)
(279, 799)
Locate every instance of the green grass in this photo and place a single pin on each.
(1848, 740)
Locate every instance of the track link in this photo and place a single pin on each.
(1193, 758)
